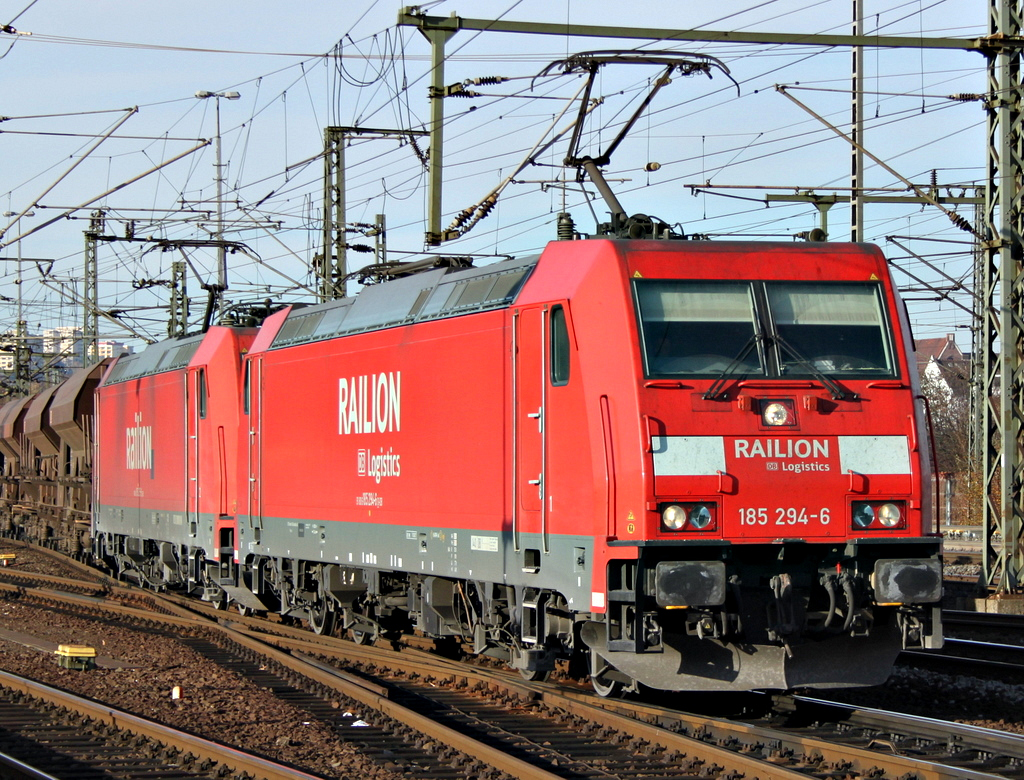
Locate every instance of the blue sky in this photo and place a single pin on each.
(84, 63)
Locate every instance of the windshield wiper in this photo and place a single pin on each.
(838, 394)
(715, 391)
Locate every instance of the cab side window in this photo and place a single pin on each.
(201, 392)
(559, 347)
(247, 392)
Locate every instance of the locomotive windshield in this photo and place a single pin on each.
(700, 328)
(837, 327)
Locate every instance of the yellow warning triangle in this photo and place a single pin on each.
(636, 275)
(873, 278)
(631, 517)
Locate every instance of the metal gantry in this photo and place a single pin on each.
(439, 29)
(332, 268)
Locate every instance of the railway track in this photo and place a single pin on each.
(970, 751)
(427, 716)
(49, 732)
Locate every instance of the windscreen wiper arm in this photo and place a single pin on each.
(838, 394)
(715, 391)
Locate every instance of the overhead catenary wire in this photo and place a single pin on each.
(372, 178)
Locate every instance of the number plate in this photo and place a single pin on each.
(784, 516)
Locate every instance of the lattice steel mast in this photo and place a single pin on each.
(1003, 327)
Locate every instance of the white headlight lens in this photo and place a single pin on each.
(673, 517)
(700, 517)
(863, 515)
(776, 414)
(889, 515)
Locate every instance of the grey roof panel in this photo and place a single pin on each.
(429, 295)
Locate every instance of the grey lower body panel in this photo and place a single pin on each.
(174, 526)
(456, 553)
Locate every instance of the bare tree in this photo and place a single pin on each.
(948, 394)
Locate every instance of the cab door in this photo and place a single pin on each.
(253, 408)
(530, 461)
(195, 410)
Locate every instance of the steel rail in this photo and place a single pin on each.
(968, 737)
(982, 619)
(962, 656)
(371, 696)
(750, 766)
(13, 769)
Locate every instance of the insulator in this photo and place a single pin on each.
(566, 227)
(485, 207)
(961, 222)
(485, 80)
(460, 219)
(966, 97)
(420, 154)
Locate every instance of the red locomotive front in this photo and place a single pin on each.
(785, 490)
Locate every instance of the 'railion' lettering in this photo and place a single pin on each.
(781, 448)
(139, 441)
(370, 403)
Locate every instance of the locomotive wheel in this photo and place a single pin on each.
(322, 618)
(535, 676)
(603, 678)
(361, 637)
(606, 688)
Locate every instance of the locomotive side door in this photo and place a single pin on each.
(529, 460)
(195, 410)
(253, 408)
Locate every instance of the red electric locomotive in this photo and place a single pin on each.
(165, 468)
(694, 465)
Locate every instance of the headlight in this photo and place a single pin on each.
(673, 517)
(877, 515)
(700, 517)
(863, 515)
(776, 413)
(689, 517)
(889, 515)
